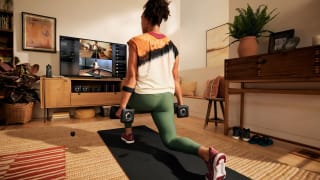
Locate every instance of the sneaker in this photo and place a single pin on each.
(255, 139)
(236, 133)
(245, 135)
(216, 165)
(265, 141)
(129, 139)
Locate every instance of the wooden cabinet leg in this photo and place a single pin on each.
(226, 109)
(241, 107)
(208, 113)
(215, 113)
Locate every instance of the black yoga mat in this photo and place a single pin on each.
(148, 158)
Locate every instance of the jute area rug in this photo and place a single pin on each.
(88, 158)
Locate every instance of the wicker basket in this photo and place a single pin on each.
(18, 112)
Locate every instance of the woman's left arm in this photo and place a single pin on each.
(178, 91)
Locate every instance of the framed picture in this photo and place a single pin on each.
(38, 33)
(278, 40)
(217, 49)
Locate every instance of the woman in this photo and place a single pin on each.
(151, 82)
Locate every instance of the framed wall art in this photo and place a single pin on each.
(278, 40)
(217, 49)
(38, 33)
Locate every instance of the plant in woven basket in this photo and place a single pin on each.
(17, 82)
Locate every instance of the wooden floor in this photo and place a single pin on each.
(280, 151)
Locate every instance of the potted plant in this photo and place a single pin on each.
(19, 94)
(249, 25)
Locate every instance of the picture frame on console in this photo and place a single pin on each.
(278, 40)
(38, 33)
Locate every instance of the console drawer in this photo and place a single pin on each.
(296, 64)
(92, 99)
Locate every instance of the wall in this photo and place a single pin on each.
(200, 76)
(196, 18)
(293, 117)
(298, 15)
(107, 20)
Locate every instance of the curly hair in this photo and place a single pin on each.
(156, 11)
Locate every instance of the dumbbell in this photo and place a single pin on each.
(181, 110)
(127, 115)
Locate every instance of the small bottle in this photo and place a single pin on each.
(48, 71)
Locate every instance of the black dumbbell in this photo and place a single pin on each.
(181, 110)
(127, 115)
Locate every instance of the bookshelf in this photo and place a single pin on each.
(6, 36)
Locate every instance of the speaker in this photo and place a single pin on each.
(119, 63)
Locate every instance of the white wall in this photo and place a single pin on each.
(196, 18)
(292, 117)
(108, 20)
(294, 14)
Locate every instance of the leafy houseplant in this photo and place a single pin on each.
(17, 83)
(250, 23)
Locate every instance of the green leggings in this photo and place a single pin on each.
(161, 108)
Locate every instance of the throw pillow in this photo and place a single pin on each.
(214, 88)
(188, 88)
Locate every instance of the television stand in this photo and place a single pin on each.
(97, 76)
(62, 92)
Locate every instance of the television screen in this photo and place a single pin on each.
(91, 58)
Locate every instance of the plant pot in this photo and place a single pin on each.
(18, 112)
(248, 46)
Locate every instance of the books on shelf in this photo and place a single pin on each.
(60, 115)
(5, 22)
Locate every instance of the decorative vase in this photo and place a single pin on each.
(248, 46)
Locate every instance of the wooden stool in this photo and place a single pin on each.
(215, 119)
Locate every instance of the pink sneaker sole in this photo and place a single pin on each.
(127, 141)
(219, 167)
